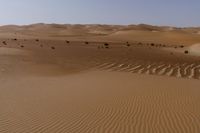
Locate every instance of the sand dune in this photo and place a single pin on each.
(138, 58)
(141, 33)
(99, 79)
(143, 104)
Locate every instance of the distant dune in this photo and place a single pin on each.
(142, 32)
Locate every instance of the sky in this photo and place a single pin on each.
(181, 13)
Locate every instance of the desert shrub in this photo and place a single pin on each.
(186, 51)
(4, 42)
(106, 44)
(152, 44)
(128, 44)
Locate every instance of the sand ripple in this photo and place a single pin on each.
(179, 70)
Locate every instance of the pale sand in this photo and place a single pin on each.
(99, 101)
(49, 85)
(195, 49)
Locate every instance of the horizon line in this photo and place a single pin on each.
(109, 24)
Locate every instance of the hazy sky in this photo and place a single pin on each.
(156, 12)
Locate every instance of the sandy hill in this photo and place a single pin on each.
(132, 33)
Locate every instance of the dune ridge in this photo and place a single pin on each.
(141, 32)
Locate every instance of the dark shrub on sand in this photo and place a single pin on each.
(186, 52)
(53, 48)
(106, 44)
(127, 44)
(4, 42)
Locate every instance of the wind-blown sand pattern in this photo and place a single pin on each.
(176, 70)
(56, 84)
(129, 107)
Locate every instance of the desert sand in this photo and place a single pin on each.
(99, 79)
